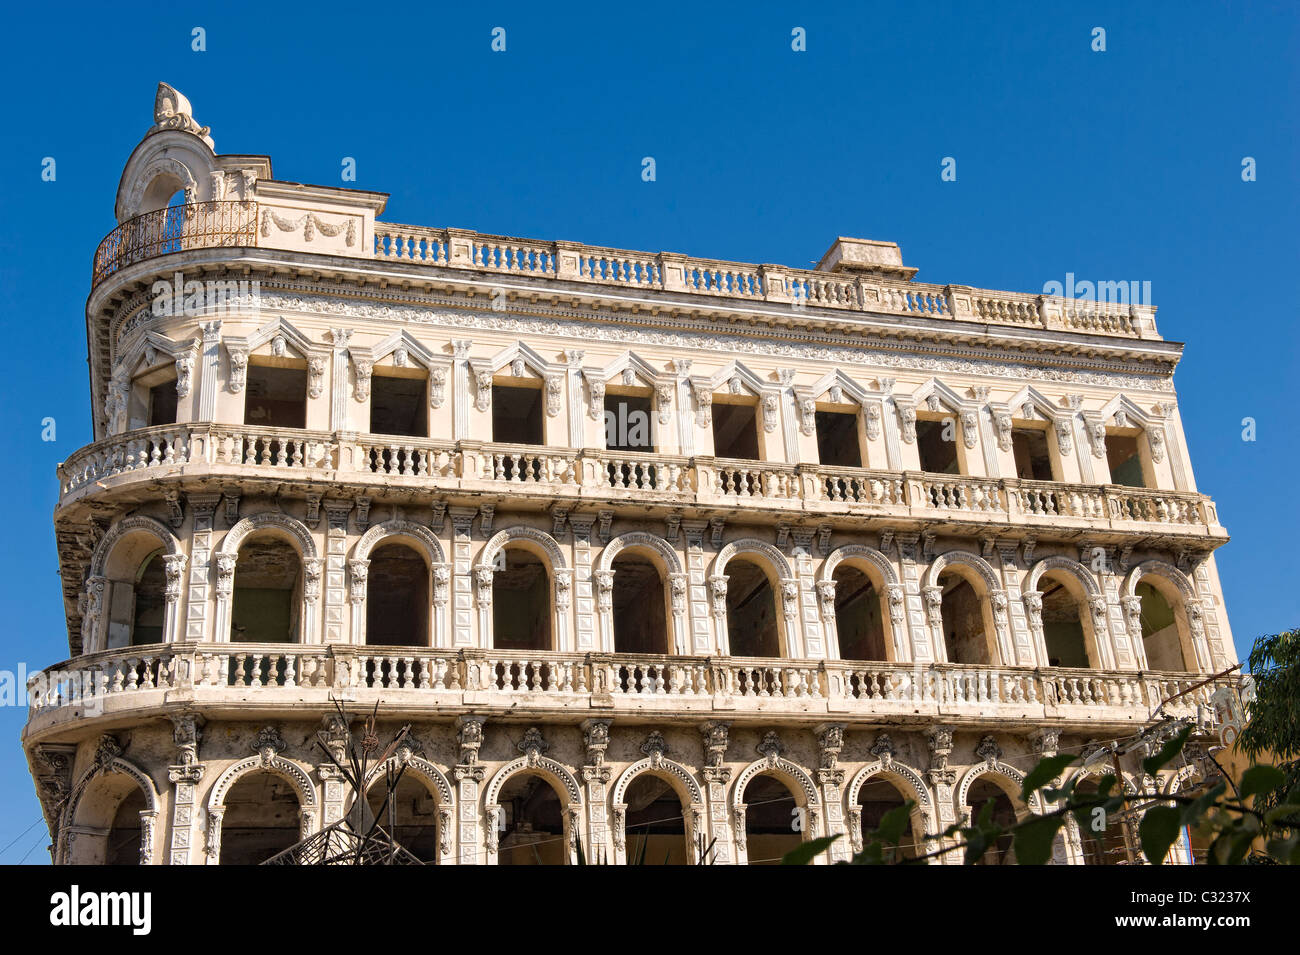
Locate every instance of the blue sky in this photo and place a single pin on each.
(1116, 165)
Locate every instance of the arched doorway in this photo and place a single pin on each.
(968, 631)
(878, 796)
(981, 791)
(531, 822)
(774, 821)
(654, 825)
(1067, 628)
(1163, 636)
(859, 615)
(753, 621)
(267, 598)
(414, 815)
(150, 610)
(108, 822)
(397, 597)
(262, 817)
(521, 601)
(640, 607)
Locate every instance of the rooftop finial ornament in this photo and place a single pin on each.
(171, 110)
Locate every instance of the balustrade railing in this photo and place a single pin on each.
(150, 452)
(781, 685)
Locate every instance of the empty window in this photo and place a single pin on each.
(858, 619)
(770, 816)
(735, 431)
(398, 406)
(627, 423)
(397, 598)
(1001, 852)
(410, 816)
(516, 415)
(837, 439)
(936, 442)
(532, 824)
(1062, 626)
(751, 612)
(276, 397)
(521, 603)
(1033, 459)
(654, 826)
(261, 819)
(1125, 460)
(1160, 634)
(640, 617)
(266, 592)
(877, 797)
(962, 614)
(150, 603)
(162, 403)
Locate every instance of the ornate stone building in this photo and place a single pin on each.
(652, 552)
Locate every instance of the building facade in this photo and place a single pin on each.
(661, 557)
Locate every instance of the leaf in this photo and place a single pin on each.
(808, 851)
(1260, 780)
(1158, 830)
(1281, 812)
(1048, 768)
(893, 824)
(1153, 764)
(1033, 840)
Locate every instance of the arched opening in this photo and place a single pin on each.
(1103, 840)
(267, 593)
(397, 597)
(1162, 635)
(654, 826)
(412, 819)
(107, 826)
(878, 796)
(640, 610)
(1004, 815)
(135, 593)
(532, 823)
(521, 601)
(774, 821)
(1066, 632)
(967, 625)
(752, 620)
(262, 818)
(150, 602)
(859, 615)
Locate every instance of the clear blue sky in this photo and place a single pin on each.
(1114, 166)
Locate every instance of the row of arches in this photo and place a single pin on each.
(269, 576)
(533, 813)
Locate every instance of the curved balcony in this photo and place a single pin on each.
(198, 450)
(280, 678)
(198, 225)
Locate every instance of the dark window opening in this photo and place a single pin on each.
(837, 439)
(877, 797)
(654, 826)
(1062, 627)
(162, 403)
(261, 819)
(123, 844)
(962, 615)
(1004, 816)
(398, 406)
(1160, 636)
(936, 441)
(397, 598)
(627, 423)
(735, 432)
(772, 821)
(858, 619)
(1033, 459)
(1108, 847)
(1125, 460)
(640, 618)
(751, 612)
(266, 592)
(533, 825)
(410, 816)
(276, 397)
(150, 604)
(521, 603)
(516, 415)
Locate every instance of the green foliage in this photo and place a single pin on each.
(1273, 718)
(808, 851)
